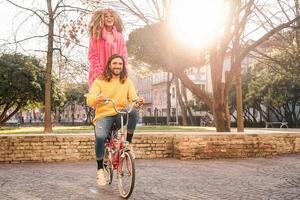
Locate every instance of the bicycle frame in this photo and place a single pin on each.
(115, 149)
(118, 157)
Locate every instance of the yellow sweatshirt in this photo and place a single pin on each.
(123, 94)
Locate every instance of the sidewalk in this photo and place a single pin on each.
(259, 178)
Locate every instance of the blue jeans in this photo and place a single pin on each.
(103, 127)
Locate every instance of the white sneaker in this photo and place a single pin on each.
(101, 178)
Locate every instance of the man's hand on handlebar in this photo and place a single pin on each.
(101, 99)
(139, 102)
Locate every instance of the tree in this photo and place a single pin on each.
(230, 45)
(75, 96)
(48, 18)
(23, 85)
(277, 90)
(169, 81)
(181, 103)
(249, 107)
(22, 80)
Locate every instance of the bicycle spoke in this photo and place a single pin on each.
(126, 175)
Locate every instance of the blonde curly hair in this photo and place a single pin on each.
(97, 22)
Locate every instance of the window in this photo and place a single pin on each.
(149, 112)
(173, 92)
(173, 112)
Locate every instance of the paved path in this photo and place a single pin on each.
(259, 178)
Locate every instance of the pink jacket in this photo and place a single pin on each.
(100, 50)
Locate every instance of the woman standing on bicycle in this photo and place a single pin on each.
(114, 84)
(106, 39)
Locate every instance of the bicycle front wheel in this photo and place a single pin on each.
(126, 174)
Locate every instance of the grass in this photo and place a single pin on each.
(89, 129)
(173, 129)
(39, 129)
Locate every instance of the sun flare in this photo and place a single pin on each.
(197, 22)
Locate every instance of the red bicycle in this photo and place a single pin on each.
(117, 156)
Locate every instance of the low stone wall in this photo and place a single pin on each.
(153, 146)
(46, 148)
(193, 147)
(75, 147)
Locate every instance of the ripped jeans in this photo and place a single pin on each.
(103, 126)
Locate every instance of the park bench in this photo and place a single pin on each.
(282, 124)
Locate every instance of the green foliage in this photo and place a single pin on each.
(58, 96)
(22, 84)
(75, 93)
(198, 105)
(273, 87)
(276, 86)
(152, 45)
(21, 79)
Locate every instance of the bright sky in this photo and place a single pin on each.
(11, 17)
(197, 22)
(6, 15)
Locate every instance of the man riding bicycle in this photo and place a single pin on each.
(116, 85)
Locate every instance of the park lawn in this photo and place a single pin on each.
(173, 128)
(39, 129)
(89, 129)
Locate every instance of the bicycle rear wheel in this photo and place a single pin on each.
(126, 174)
(108, 166)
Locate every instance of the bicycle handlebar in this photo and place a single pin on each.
(107, 100)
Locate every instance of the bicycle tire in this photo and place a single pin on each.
(129, 163)
(108, 166)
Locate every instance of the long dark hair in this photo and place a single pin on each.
(107, 74)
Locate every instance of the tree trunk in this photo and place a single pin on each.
(220, 118)
(168, 98)
(184, 94)
(227, 112)
(239, 103)
(73, 114)
(239, 97)
(6, 118)
(180, 101)
(89, 114)
(56, 115)
(48, 123)
(220, 104)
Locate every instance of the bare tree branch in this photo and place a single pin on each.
(28, 9)
(136, 12)
(60, 52)
(25, 39)
(266, 37)
(282, 9)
